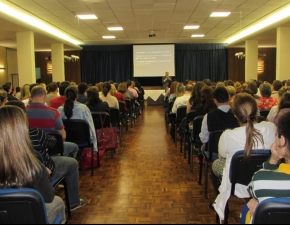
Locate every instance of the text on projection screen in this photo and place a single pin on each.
(153, 60)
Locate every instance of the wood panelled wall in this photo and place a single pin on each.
(72, 69)
(236, 67)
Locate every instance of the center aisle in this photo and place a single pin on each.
(147, 182)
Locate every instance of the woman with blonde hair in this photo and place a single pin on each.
(250, 135)
(25, 92)
(117, 94)
(238, 87)
(19, 166)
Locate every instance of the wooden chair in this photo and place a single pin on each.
(23, 206)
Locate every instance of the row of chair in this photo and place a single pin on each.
(241, 172)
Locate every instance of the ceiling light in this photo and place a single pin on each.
(191, 27)
(33, 21)
(108, 37)
(281, 14)
(220, 14)
(87, 17)
(197, 35)
(115, 28)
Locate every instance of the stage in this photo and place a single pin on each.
(154, 95)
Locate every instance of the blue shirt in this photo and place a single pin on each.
(81, 111)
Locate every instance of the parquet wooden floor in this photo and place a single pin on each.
(147, 182)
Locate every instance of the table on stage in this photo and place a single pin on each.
(154, 97)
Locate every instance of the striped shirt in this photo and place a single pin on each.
(271, 181)
(43, 117)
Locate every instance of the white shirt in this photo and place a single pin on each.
(180, 101)
(230, 142)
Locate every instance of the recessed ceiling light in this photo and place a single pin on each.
(191, 27)
(108, 37)
(115, 28)
(197, 35)
(87, 17)
(220, 14)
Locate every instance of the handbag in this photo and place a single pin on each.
(86, 157)
(108, 135)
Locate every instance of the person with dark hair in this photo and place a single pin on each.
(94, 103)
(195, 97)
(71, 109)
(28, 171)
(254, 89)
(58, 101)
(273, 179)
(52, 91)
(229, 83)
(207, 102)
(248, 136)
(18, 93)
(107, 97)
(266, 101)
(9, 89)
(276, 85)
(207, 82)
(220, 118)
(82, 88)
(37, 112)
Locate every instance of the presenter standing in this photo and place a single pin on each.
(166, 80)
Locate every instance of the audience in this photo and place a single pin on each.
(59, 101)
(195, 98)
(273, 180)
(52, 91)
(276, 85)
(37, 112)
(283, 107)
(250, 135)
(8, 88)
(28, 171)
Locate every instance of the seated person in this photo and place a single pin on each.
(283, 107)
(57, 166)
(266, 101)
(72, 109)
(28, 172)
(220, 118)
(94, 103)
(250, 135)
(274, 174)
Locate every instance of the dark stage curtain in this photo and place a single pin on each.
(200, 61)
(106, 62)
(192, 62)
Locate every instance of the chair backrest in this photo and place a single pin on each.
(128, 104)
(22, 206)
(169, 106)
(272, 211)
(242, 171)
(180, 113)
(101, 119)
(115, 116)
(58, 148)
(122, 107)
(213, 142)
(197, 122)
(77, 131)
(264, 112)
